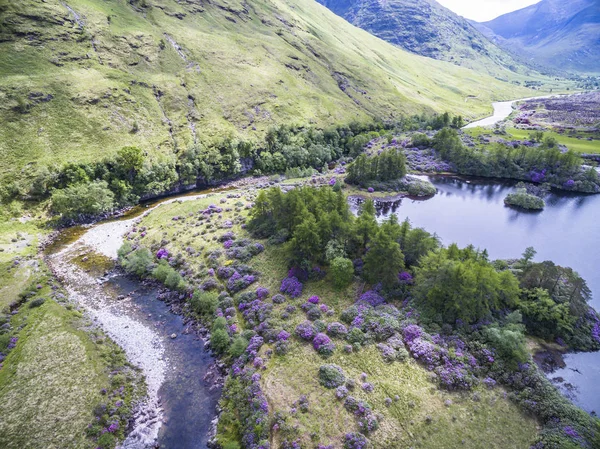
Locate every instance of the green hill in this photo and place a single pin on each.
(80, 80)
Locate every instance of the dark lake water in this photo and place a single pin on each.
(566, 232)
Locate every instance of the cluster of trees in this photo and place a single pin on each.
(389, 165)
(554, 303)
(543, 163)
(462, 285)
(321, 229)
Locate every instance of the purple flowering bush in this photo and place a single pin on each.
(355, 441)
(291, 286)
(305, 331)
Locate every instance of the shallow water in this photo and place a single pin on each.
(472, 211)
(182, 383)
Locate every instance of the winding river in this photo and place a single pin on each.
(502, 109)
(182, 379)
(472, 211)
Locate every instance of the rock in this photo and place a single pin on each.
(173, 336)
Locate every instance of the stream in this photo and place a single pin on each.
(472, 211)
(182, 378)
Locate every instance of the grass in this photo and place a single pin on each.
(50, 382)
(245, 70)
(467, 421)
(582, 145)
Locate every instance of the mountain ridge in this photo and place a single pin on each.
(561, 35)
(427, 28)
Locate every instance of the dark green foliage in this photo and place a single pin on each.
(387, 166)
(383, 261)
(509, 343)
(174, 281)
(219, 341)
(554, 303)
(342, 272)
(83, 200)
(331, 376)
(541, 164)
(522, 199)
(238, 346)
(37, 302)
(544, 317)
(204, 303)
(463, 285)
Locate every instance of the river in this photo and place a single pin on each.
(182, 378)
(502, 109)
(472, 211)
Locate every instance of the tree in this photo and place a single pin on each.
(460, 285)
(83, 200)
(342, 272)
(219, 341)
(306, 241)
(383, 261)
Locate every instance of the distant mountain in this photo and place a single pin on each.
(426, 28)
(560, 34)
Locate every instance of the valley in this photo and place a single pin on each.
(294, 224)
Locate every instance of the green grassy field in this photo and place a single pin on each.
(422, 416)
(171, 74)
(578, 145)
(50, 382)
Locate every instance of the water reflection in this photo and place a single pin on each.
(472, 211)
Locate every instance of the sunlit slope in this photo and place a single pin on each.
(79, 80)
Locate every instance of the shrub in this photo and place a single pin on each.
(337, 330)
(161, 271)
(291, 286)
(238, 347)
(204, 303)
(37, 302)
(342, 272)
(83, 199)
(305, 331)
(174, 280)
(139, 262)
(331, 376)
(219, 341)
(355, 441)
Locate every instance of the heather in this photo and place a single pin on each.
(392, 344)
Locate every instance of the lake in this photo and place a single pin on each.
(472, 211)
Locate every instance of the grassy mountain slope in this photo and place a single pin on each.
(81, 80)
(563, 35)
(427, 28)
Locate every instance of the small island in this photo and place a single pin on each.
(521, 198)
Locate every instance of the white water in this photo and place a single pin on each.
(502, 110)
